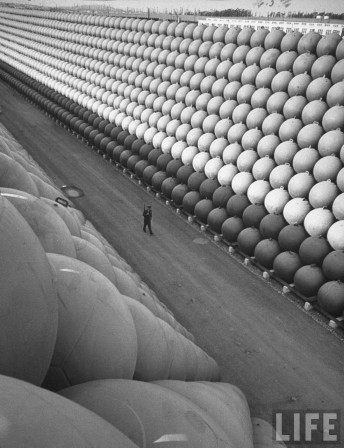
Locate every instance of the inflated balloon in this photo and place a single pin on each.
(219, 144)
(331, 143)
(272, 123)
(290, 129)
(226, 174)
(271, 225)
(323, 66)
(281, 175)
(256, 117)
(276, 199)
(200, 160)
(172, 167)
(327, 168)
(335, 235)
(190, 200)
(67, 421)
(148, 173)
(328, 44)
(50, 229)
(168, 185)
(221, 196)
(208, 187)
(300, 185)
(227, 108)
(253, 215)
(260, 97)
(184, 172)
(340, 178)
(305, 159)
(179, 415)
(310, 135)
(296, 210)
(153, 357)
(338, 207)
(299, 84)
(266, 251)
(232, 88)
(308, 42)
(333, 264)
(263, 167)
(333, 118)
(202, 209)
(14, 175)
(29, 307)
(246, 160)
(314, 249)
(281, 81)
(195, 180)
(337, 72)
(241, 181)
(318, 88)
(340, 51)
(231, 228)
(285, 265)
(257, 191)
(276, 103)
(291, 237)
(241, 112)
(250, 73)
(251, 138)
(97, 303)
(237, 204)
(66, 214)
(308, 279)
(286, 60)
(267, 145)
(265, 76)
(245, 92)
(188, 154)
(323, 193)
(331, 298)
(313, 111)
(248, 239)
(224, 402)
(285, 152)
(318, 221)
(216, 218)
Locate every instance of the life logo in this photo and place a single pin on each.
(312, 427)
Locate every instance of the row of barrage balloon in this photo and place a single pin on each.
(265, 54)
(250, 240)
(208, 141)
(214, 165)
(74, 258)
(203, 99)
(128, 28)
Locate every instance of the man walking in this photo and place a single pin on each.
(147, 218)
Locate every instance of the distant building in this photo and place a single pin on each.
(322, 27)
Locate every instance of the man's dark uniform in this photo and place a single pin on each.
(147, 219)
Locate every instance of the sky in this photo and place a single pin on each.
(262, 6)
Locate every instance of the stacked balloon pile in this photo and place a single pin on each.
(241, 128)
(89, 355)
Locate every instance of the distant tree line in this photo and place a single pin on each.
(312, 15)
(248, 13)
(227, 13)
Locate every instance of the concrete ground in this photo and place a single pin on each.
(265, 343)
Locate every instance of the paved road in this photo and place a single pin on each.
(276, 353)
